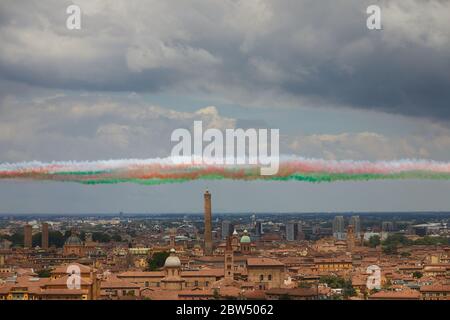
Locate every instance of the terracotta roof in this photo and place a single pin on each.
(396, 295)
(203, 272)
(63, 268)
(298, 292)
(63, 292)
(117, 283)
(436, 288)
(141, 274)
(255, 295)
(63, 281)
(256, 262)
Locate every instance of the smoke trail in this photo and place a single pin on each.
(164, 170)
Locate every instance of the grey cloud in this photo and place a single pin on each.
(314, 53)
(68, 128)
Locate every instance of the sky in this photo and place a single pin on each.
(137, 70)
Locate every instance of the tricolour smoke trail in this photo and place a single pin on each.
(158, 171)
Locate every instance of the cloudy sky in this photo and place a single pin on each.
(139, 69)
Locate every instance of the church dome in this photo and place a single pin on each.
(245, 238)
(73, 241)
(172, 260)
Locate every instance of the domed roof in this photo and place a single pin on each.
(172, 260)
(73, 240)
(245, 238)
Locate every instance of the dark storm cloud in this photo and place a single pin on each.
(291, 52)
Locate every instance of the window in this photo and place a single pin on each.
(146, 283)
(270, 277)
(207, 283)
(196, 283)
(261, 277)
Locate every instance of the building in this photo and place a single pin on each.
(259, 228)
(44, 243)
(28, 236)
(407, 294)
(245, 243)
(333, 264)
(338, 227)
(172, 273)
(356, 223)
(229, 261)
(435, 292)
(266, 273)
(208, 223)
(350, 238)
(30, 287)
(75, 247)
(387, 226)
(291, 231)
(227, 229)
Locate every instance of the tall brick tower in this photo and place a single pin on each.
(208, 225)
(44, 243)
(28, 237)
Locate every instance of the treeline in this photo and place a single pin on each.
(57, 238)
(391, 244)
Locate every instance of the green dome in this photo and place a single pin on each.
(245, 239)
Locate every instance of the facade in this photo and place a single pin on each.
(265, 273)
(333, 264)
(435, 292)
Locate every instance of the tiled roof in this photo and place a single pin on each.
(436, 288)
(251, 262)
(396, 295)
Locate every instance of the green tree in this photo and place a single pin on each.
(390, 248)
(44, 273)
(336, 282)
(56, 238)
(417, 274)
(116, 237)
(156, 261)
(101, 237)
(374, 241)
